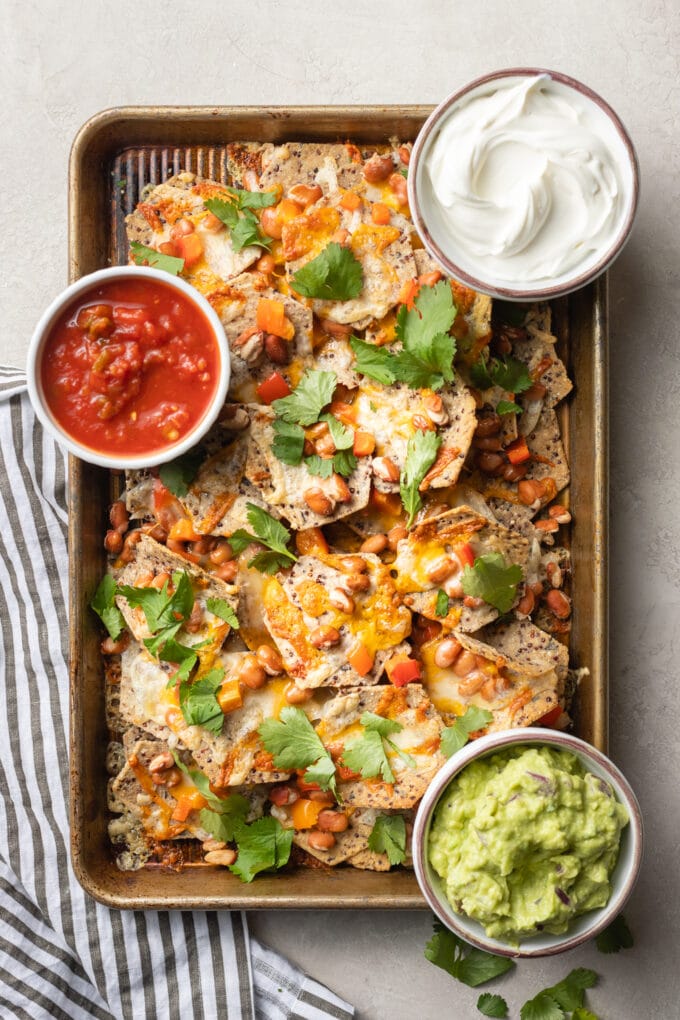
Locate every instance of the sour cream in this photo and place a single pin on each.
(530, 182)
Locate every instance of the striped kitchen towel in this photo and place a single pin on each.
(62, 955)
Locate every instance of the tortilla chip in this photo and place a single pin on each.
(324, 163)
(522, 647)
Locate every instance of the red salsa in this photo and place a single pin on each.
(130, 368)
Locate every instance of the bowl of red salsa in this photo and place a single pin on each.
(128, 367)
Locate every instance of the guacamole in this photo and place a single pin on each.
(525, 840)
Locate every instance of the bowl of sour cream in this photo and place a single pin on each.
(524, 184)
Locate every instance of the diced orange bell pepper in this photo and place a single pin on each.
(271, 318)
(518, 451)
(380, 214)
(408, 292)
(429, 279)
(186, 803)
(183, 531)
(351, 201)
(361, 660)
(229, 696)
(311, 542)
(190, 248)
(551, 717)
(364, 444)
(305, 813)
(345, 413)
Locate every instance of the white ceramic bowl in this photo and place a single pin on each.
(427, 212)
(42, 332)
(581, 928)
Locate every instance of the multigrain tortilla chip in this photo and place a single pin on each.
(435, 539)
(523, 647)
(283, 486)
(237, 307)
(309, 163)
(418, 738)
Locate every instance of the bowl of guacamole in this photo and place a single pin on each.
(528, 842)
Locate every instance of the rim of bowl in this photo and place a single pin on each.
(42, 332)
(489, 744)
(510, 293)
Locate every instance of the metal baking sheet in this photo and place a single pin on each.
(115, 154)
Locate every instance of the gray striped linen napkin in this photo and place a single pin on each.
(62, 955)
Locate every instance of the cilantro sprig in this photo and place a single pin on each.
(566, 996)
(268, 532)
(492, 1005)
(388, 836)
(144, 256)
(428, 350)
(222, 609)
(367, 754)
(442, 604)
(509, 374)
(104, 604)
(456, 736)
(471, 966)
(262, 845)
(334, 275)
(491, 580)
(304, 405)
(421, 453)
(198, 701)
(237, 214)
(615, 937)
(294, 744)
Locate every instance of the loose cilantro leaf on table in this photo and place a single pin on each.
(583, 1014)
(104, 604)
(178, 474)
(145, 256)
(456, 736)
(421, 453)
(294, 744)
(198, 701)
(541, 1007)
(222, 609)
(567, 995)
(426, 357)
(304, 405)
(442, 606)
(492, 1005)
(471, 966)
(262, 845)
(269, 532)
(388, 836)
(334, 275)
(490, 579)
(615, 937)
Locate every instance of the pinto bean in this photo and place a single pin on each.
(378, 168)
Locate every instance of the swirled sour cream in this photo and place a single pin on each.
(531, 182)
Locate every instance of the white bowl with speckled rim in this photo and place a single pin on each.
(582, 928)
(42, 333)
(425, 209)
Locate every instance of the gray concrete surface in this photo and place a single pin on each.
(62, 62)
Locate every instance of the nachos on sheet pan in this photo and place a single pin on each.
(357, 568)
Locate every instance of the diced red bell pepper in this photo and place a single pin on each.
(465, 554)
(551, 717)
(405, 672)
(274, 387)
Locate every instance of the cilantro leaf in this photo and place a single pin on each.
(304, 405)
(510, 374)
(583, 1014)
(174, 651)
(471, 966)
(442, 606)
(252, 199)
(225, 210)
(198, 701)
(479, 374)
(366, 755)
(247, 231)
(510, 313)
(456, 736)
(421, 453)
(269, 532)
(372, 722)
(262, 845)
(344, 463)
(334, 275)
(323, 773)
(569, 993)
(490, 579)
(104, 604)
(222, 609)
(388, 836)
(615, 937)
(145, 256)
(157, 643)
(178, 474)
(507, 407)
(289, 442)
(415, 373)
(541, 1007)
(294, 744)
(342, 437)
(492, 1005)
(201, 782)
(158, 606)
(322, 467)
(225, 817)
(375, 362)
